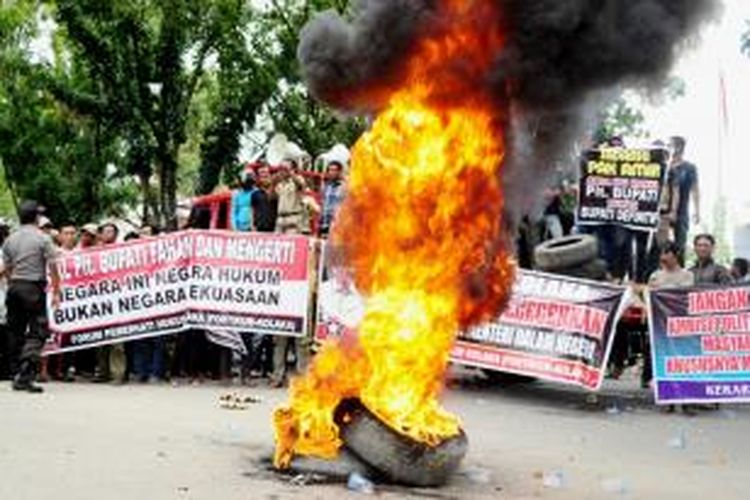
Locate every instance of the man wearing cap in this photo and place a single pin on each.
(88, 236)
(45, 224)
(27, 256)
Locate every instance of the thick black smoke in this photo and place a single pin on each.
(560, 60)
(561, 49)
(342, 60)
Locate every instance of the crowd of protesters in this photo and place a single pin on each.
(664, 259)
(633, 256)
(279, 201)
(284, 200)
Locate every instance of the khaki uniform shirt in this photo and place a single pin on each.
(27, 253)
(291, 209)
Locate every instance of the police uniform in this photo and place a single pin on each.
(27, 254)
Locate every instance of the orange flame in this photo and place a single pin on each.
(421, 228)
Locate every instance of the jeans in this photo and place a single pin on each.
(148, 358)
(118, 362)
(606, 237)
(681, 229)
(282, 345)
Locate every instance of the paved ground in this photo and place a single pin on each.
(85, 441)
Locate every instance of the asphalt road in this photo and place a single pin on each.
(84, 441)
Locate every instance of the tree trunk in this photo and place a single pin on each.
(151, 213)
(168, 189)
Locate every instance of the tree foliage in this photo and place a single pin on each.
(276, 83)
(624, 118)
(146, 60)
(159, 91)
(293, 111)
(621, 119)
(47, 151)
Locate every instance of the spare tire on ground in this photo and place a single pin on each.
(595, 270)
(566, 252)
(398, 458)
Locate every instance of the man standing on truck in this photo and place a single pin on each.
(264, 202)
(242, 210)
(290, 190)
(333, 195)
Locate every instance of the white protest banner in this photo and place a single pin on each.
(217, 280)
(554, 328)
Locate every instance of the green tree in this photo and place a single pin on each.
(161, 90)
(244, 82)
(624, 117)
(621, 119)
(52, 155)
(293, 111)
(146, 63)
(286, 104)
(48, 152)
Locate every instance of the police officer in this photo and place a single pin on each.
(27, 255)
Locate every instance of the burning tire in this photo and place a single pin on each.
(567, 252)
(398, 458)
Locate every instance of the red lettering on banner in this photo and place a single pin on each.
(715, 301)
(551, 368)
(726, 343)
(687, 365)
(558, 316)
(644, 184)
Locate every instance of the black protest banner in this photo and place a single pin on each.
(622, 186)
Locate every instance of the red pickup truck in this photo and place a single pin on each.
(219, 204)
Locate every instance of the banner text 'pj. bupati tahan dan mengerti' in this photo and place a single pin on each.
(213, 280)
